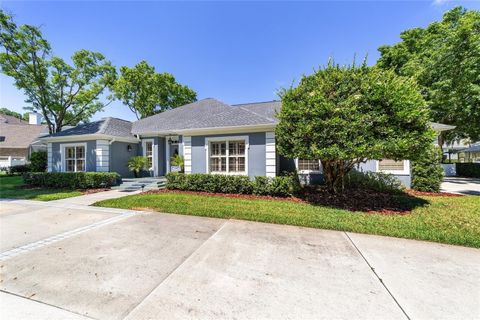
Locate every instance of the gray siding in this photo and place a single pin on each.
(119, 156)
(91, 161)
(256, 153)
(159, 147)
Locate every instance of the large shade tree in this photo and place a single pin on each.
(444, 59)
(344, 115)
(147, 92)
(64, 93)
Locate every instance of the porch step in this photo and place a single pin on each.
(135, 184)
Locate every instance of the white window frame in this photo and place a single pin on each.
(227, 139)
(63, 153)
(144, 152)
(405, 171)
(309, 171)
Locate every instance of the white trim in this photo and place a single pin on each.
(62, 154)
(144, 153)
(187, 153)
(309, 171)
(405, 171)
(270, 155)
(226, 139)
(49, 157)
(102, 153)
(88, 137)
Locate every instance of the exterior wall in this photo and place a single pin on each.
(102, 154)
(119, 156)
(256, 152)
(90, 154)
(371, 165)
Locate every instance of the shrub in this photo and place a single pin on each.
(468, 169)
(137, 164)
(282, 186)
(38, 161)
(21, 168)
(72, 180)
(376, 181)
(427, 172)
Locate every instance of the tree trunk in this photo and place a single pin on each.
(335, 172)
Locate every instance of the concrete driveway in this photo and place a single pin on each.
(468, 186)
(70, 261)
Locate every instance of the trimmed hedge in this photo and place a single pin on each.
(281, 186)
(72, 180)
(468, 169)
(376, 181)
(427, 172)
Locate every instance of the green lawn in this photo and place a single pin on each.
(452, 220)
(9, 188)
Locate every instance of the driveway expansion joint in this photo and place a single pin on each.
(128, 312)
(377, 276)
(62, 236)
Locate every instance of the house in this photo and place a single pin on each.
(18, 139)
(472, 153)
(212, 136)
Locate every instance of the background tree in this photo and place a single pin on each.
(346, 115)
(64, 94)
(12, 113)
(444, 58)
(147, 92)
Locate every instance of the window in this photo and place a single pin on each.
(390, 165)
(74, 158)
(149, 154)
(308, 165)
(228, 156)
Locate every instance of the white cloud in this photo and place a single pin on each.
(439, 2)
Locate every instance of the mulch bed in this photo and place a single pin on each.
(353, 200)
(90, 191)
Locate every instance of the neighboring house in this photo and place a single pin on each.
(461, 151)
(213, 137)
(18, 139)
(472, 153)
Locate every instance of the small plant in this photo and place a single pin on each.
(38, 161)
(179, 161)
(427, 173)
(137, 164)
(376, 181)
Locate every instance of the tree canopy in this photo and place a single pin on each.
(147, 92)
(65, 94)
(344, 115)
(444, 59)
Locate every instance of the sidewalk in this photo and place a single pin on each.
(90, 199)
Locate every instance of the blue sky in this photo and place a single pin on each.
(234, 51)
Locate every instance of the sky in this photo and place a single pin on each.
(236, 52)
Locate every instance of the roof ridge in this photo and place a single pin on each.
(105, 124)
(244, 104)
(259, 115)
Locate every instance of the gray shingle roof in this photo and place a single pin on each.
(208, 113)
(108, 126)
(11, 119)
(20, 135)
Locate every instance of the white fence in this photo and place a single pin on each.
(6, 162)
